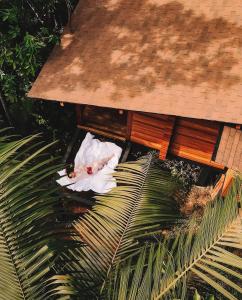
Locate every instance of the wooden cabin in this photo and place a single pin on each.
(164, 74)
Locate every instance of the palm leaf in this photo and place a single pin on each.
(211, 255)
(26, 215)
(136, 277)
(165, 270)
(143, 200)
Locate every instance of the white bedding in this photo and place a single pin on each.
(90, 153)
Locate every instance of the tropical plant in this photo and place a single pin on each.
(118, 251)
(115, 228)
(28, 31)
(210, 254)
(27, 220)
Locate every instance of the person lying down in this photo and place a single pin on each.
(93, 167)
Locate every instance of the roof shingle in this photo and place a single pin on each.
(171, 57)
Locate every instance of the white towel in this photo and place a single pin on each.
(91, 151)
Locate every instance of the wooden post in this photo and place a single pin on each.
(129, 125)
(79, 113)
(168, 138)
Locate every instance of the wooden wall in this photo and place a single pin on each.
(108, 122)
(152, 130)
(187, 138)
(195, 140)
(192, 139)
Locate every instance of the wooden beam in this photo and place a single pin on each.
(102, 132)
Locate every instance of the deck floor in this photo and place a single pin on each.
(230, 148)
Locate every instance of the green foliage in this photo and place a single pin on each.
(28, 231)
(205, 256)
(196, 296)
(121, 220)
(118, 251)
(28, 31)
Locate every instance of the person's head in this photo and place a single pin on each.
(70, 171)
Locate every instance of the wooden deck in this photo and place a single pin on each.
(230, 148)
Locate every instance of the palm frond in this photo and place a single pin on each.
(143, 200)
(211, 253)
(27, 201)
(138, 277)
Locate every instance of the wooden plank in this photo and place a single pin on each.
(234, 148)
(199, 134)
(228, 146)
(182, 152)
(162, 125)
(147, 134)
(156, 116)
(240, 163)
(222, 145)
(178, 149)
(146, 143)
(154, 122)
(194, 143)
(115, 130)
(238, 155)
(101, 132)
(143, 139)
(212, 128)
(240, 158)
(148, 131)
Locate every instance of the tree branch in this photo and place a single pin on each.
(35, 12)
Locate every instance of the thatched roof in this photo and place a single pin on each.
(172, 57)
